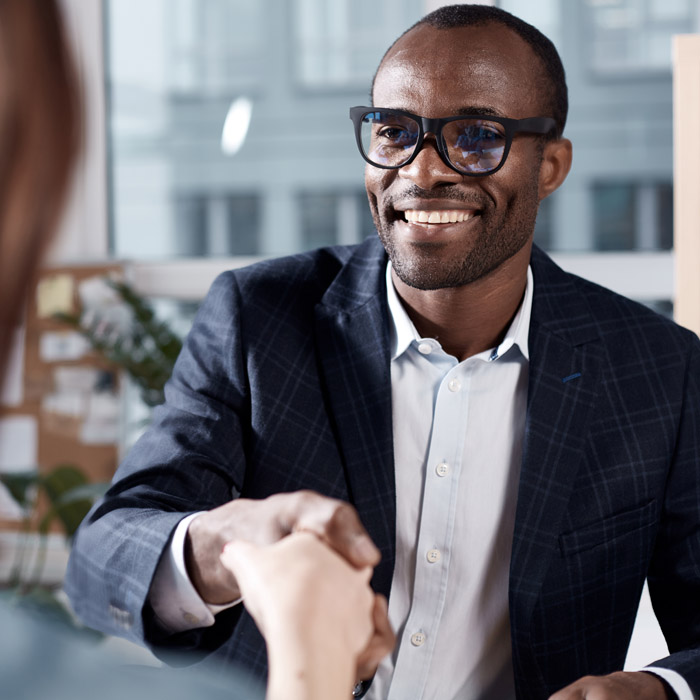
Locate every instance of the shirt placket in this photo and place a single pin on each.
(434, 548)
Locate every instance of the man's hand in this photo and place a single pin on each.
(317, 613)
(380, 644)
(264, 522)
(616, 686)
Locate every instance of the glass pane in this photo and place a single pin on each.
(335, 218)
(212, 129)
(182, 185)
(340, 43)
(617, 55)
(318, 218)
(614, 210)
(664, 222)
(631, 35)
(543, 225)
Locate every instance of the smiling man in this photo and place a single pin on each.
(519, 446)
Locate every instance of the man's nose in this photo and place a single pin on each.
(428, 170)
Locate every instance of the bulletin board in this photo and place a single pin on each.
(62, 405)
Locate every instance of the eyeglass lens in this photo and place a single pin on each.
(472, 145)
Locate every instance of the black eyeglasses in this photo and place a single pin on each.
(470, 144)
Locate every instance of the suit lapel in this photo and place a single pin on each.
(565, 366)
(353, 350)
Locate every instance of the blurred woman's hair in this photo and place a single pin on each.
(40, 127)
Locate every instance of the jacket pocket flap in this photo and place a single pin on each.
(608, 529)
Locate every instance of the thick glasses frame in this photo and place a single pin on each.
(532, 125)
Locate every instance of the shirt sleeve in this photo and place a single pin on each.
(678, 684)
(172, 596)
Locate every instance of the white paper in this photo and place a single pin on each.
(12, 388)
(19, 439)
(65, 403)
(60, 346)
(101, 424)
(83, 379)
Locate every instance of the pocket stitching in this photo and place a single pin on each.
(644, 520)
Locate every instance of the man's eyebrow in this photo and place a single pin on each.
(480, 111)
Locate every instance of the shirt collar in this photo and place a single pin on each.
(403, 332)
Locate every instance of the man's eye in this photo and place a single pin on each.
(482, 134)
(479, 136)
(394, 133)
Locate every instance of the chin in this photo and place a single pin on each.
(424, 271)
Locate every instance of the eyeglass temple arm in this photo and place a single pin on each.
(536, 125)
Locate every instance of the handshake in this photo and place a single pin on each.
(302, 563)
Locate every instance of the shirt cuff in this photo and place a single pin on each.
(172, 596)
(678, 684)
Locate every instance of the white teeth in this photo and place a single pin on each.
(437, 217)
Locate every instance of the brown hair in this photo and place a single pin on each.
(39, 139)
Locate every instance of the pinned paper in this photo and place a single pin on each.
(62, 346)
(54, 295)
(102, 422)
(84, 404)
(79, 379)
(18, 443)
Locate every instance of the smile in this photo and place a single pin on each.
(447, 216)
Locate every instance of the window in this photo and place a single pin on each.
(635, 35)
(216, 225)
(544, 224)
(172, 79)
(296, 181)
(334, 218)
(339, 44)
(633, 216)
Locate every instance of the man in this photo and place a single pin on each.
(519, 444)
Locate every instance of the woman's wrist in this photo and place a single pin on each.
(304, 668)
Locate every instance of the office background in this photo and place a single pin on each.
(218, 133)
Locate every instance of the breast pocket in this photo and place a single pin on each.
(640, 520)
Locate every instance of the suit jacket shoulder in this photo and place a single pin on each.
(580, 309)
(343, 276)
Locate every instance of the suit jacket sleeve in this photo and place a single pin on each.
(192, 459)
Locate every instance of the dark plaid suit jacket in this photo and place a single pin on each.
(284, 384)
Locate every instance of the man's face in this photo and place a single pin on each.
(441, 73)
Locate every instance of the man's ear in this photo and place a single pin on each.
(556, 163)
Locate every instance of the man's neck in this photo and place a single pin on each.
(472, 318)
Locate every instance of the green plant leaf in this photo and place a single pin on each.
(62, 479)
(91, 491)
(20, 485)
(57, 484)
(146, 351)
(72, 506)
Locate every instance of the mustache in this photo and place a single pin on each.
(447, 192)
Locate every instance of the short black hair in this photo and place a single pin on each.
(463, 15)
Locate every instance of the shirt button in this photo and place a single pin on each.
(442, 469)
(433, 555)
(454, 385)
(425, 348)
(190, 618)
(417, 639)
